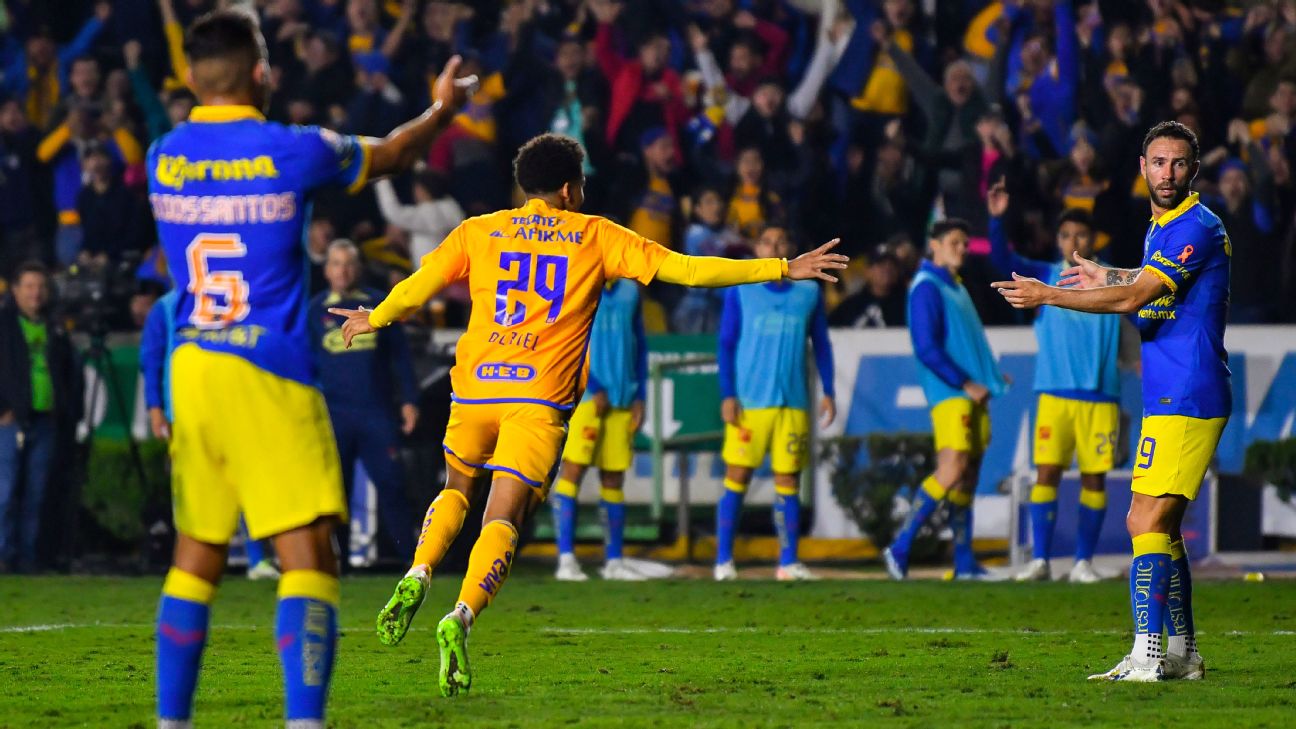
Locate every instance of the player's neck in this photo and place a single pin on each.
(553, 201)
(234, 99)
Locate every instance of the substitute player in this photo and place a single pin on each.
(959, 375)
(535, 274)
(763, 330)
(602, 429)
(1077, 385)
(231, 194)
(1181, 296)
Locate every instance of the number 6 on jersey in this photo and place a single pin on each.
(206, 285)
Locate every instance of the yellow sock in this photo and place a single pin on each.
(565, 487)
(488, 565)
(934, 488)
(1093, 499)
(445, 517)
(1041, 494)
(959, 498)
(190, 587)
(782, 490)
(734, 486)
(612, 496)
(1151, 543)
(1177, 550)
(311, 584)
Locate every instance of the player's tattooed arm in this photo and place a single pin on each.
(1122, 276)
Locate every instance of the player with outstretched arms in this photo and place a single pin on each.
(231, 194)
(761, 358)
(1180, 295)
(535, 275)
(1077, 387)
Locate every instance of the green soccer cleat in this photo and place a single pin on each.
(394, 619)
(452, 637)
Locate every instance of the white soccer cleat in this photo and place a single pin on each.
(618, 570)
(569, 570)
(1184, 668)
(1129, 669)
(726, 572)
(1037, 570)
(1084, 573)
(797, 571)
(263, 570)
(894, 566)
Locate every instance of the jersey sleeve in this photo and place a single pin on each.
(1185, 252)
(335, 159)
(626, 254)
(443, 266)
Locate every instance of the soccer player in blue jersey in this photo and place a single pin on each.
(231, 195)
(1180, 295)
(763, 331)
(156, 343)
(1077, 412)
(959, 375)
(602, 429)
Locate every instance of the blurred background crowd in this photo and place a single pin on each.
(704, 121)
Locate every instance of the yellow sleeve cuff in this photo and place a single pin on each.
(711, 272)
(1165, 278)
(362, 178)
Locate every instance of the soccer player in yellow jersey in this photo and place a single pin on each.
(535, 275)
(230, 191)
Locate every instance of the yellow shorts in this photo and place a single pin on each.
(961, 425)
(246, 440)
(1087, 430)
(606, 442)
(522, 440)
(783, 432)
(1173, 454)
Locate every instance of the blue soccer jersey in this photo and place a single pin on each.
(1185, 366)
(618, 348)
(230, 192)
(761, 354)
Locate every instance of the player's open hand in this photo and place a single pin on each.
(817, 263)
(409, 417)
(357, 323)
(827, 411)
(451, 90)
(730, 411)
(158, 424)
(1023, 292)
(1084, 275)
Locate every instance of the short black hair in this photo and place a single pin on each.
(941, 228)
(227, 35)
(32, 266)
(1076, 215)
(1174, 130)
(548, 162)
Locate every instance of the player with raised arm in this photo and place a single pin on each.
(1180, 295)
(231, 193)
(535, 275)
(1077, 411)
(602, 429)
(959, 375)
(761, 358)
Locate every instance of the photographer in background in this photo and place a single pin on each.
(111, 217)
(41, 399)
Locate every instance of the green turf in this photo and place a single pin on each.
(687, 654)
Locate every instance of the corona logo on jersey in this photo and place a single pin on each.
(175, 171)
(505, 371)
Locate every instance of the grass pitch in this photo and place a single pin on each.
(79, 652)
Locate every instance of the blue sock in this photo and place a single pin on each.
(255, 552)
(961, 524)
(787, 521)
(306, 628)
(613, 513)
(183, 615)
(1093, 509)
(1180, 631)
(1043, 517)
(564, 513)
(924, 505)
(727, 521)
(1149, 583)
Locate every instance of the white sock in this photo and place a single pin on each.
(1147, 647)
(464, 613)
(420, 571)
(1181, 645)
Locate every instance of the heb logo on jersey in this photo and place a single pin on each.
(174, 172)
(505, 372)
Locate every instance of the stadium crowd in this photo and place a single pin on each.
(704, 121)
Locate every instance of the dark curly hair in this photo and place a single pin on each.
(1174, 130)
(547, 162)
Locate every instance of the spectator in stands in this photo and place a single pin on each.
(698, 312)
(646, 93)
(38, 74)
(1250, 225)
(881, 303)
(110, 214)
(377, 107)
(432, 216)
(753, 205)
(40, 402)
(19, 240)
(643, 194)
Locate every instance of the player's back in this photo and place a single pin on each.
(535, 275)
(230, 192)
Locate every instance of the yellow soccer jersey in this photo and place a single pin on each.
(535, 275)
